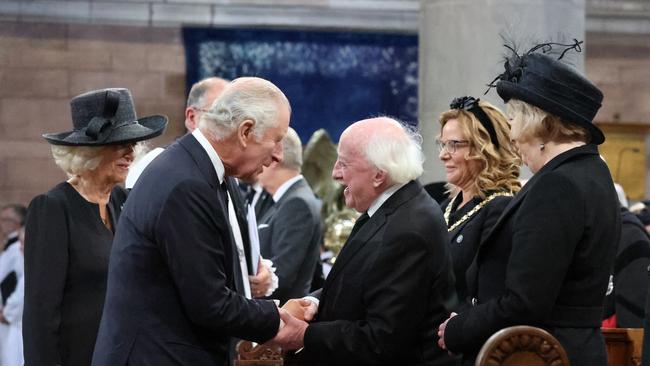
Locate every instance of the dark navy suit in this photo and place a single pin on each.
(171, 296)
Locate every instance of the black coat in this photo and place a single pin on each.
(67, 248)
(171, 297)
(466, 237)
(630, 275)
(546, 262)
(390, 287)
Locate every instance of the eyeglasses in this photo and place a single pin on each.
(451, 145)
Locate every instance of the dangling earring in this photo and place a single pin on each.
(542, 147)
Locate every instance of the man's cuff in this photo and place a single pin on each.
(312, 299)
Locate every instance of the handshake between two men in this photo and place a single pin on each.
(294, 315)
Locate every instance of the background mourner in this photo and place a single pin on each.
(290, 231)
(12, 221)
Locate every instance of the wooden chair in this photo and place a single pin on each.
(522, 345)
(259, 355)
(623, 346)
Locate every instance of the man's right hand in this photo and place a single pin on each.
(302, 309)
(291, 334)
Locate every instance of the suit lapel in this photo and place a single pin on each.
(367, 231)
(354, 244)
(202, 160)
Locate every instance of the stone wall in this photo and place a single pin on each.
(53, 50)
(42, 66)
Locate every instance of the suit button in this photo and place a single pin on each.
(474, 301)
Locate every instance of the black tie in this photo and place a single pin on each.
(359, 223)
(223, 190)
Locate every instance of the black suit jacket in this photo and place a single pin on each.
(547, 260)
(290, 234)
(466, 237)
(170, 297)
(390, 287)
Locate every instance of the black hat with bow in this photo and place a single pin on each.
(107, 117)
(553, 86)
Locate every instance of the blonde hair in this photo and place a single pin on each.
(529, 121)
(498, 168)
(76, 160)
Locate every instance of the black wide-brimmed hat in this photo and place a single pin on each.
(553, 86)
(107, 117)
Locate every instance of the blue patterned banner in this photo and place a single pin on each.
(331, 78)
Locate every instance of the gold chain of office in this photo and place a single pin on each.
(472, 211)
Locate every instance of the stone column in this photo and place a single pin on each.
(461, 51)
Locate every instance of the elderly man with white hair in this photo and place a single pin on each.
(171, 295)
(392, 281)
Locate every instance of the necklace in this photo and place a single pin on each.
(472, 211)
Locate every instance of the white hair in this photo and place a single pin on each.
(399, 155)
(292, 150)
(76, 160)
(243, 99)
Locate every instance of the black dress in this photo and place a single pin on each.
(66, 263)
(468, 233)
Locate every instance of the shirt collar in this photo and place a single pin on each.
(212, 153)
(285, 187)
(383, 197)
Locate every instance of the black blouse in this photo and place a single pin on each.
(67, 248)
(465, 239)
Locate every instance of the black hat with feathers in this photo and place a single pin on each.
(544, 81)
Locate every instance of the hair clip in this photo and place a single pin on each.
(471, 104)
(464, 103)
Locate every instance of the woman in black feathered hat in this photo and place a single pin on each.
(547, 260)
(69, 229)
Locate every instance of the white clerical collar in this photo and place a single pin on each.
(285, 187)
(212, 154)
(385, 195)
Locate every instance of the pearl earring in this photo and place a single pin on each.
(542, 147)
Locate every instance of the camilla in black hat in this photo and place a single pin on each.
(547, 260)
(69, 229)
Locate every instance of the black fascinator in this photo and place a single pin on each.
(542, 80)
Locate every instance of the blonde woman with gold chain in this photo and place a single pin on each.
(481, 168)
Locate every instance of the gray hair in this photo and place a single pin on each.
(292, 150)
(196, 97)
(399, 155)
(246, 98)
(76, 160)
